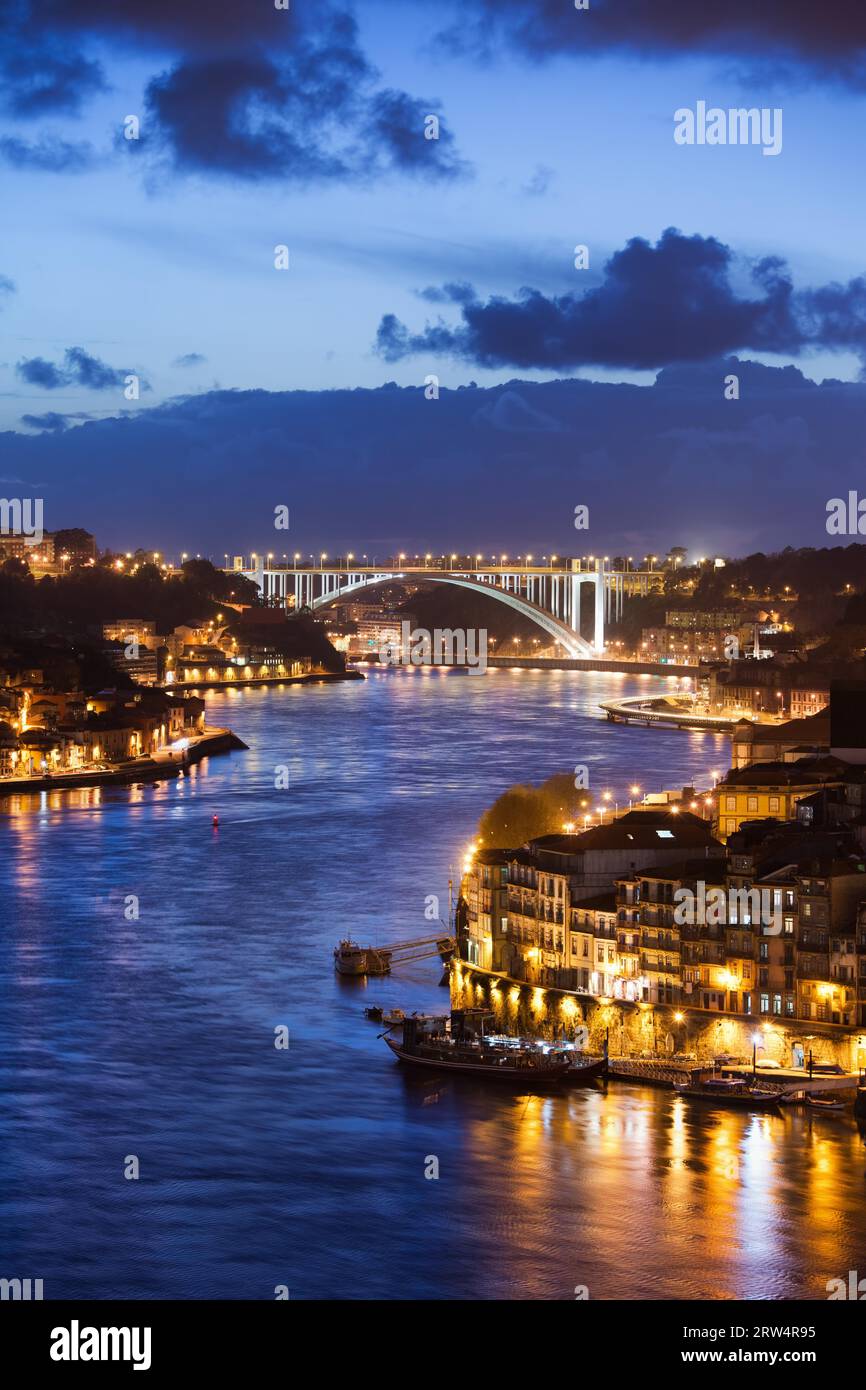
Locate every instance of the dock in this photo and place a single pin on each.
(659, 711)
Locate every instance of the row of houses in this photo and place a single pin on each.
(210, 652)
(46, 731)
(654, 909)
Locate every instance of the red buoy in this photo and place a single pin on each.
(216, 820)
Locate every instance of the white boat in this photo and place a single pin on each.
(831, 1104)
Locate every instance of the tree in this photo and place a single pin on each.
(524, 812)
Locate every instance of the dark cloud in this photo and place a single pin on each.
(51, 421)
(221, 25)
(397, 130)
(520, 455)
(455, 292)
(7, 286)
(36, 371)
(248, 92)
(79, 369)
(39, 75)
(49, 154)
(672, 302)
(189, 359)
(310, 116)
(826, 41)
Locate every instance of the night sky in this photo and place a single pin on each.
(411, 257)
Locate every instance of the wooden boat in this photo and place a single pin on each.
(829, 1103)
(352, 959)
(730, 1091)
(377, 1014)
(457, 1044)
(583, 1071)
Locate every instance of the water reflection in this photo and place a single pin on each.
(306, 1167)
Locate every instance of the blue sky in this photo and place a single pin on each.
(141, 258)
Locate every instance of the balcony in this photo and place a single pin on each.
(813, 968)
(691, 955)
(659, 943)
(700, 933)
(740, 952)
(628, 946)
(812, 940)
(659, 967)
(605, 933)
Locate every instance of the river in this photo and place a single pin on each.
(153, 1038)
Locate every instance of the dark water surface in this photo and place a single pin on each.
(305, 1167)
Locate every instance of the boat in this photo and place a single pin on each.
(584, 1070)
(828, 1103)
(457, 1043)
(725, 1090)
(377, 1014)
(352, 959)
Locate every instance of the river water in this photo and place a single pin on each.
(259, 1167)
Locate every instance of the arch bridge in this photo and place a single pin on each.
(549, 596)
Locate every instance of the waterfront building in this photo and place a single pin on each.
(546, 912)
(770, 688)
(770, 743)
(761, 790)
(786, 948)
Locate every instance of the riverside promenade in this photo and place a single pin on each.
(158, 767)
(661, 711)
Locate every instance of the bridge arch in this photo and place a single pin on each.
(574, 644)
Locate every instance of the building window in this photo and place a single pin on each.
(765, 1003)
(751, 803)
(774, 803)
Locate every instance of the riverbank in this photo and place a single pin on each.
(639, 1030)
(308, 678)
(612, 665)
(160, 767)
(588, 663)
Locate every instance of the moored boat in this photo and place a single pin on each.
(730, 1091)
(827, 1103)
(584, 1070)
(457, 1043)
(352, 959)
